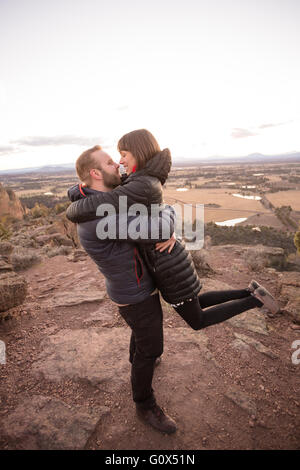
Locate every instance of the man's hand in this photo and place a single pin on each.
(162, 246)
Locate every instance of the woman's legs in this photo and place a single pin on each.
(226, 304)
(215, 297)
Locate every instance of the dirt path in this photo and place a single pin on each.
(66, 380)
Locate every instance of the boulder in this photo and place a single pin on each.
(6, 249)
(43, 239)
(289, 288)
(260, 256)
(44, 229)
(13, 290)
(10, 205)
(63, 241)
(77, 255)
(257, 257)
(54, 238)
(67, 229)
(201, 262)
(60, 232)
(5, 266)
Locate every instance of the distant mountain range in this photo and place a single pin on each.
(40, 169)
(252, 158)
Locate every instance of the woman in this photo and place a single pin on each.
(147, 169)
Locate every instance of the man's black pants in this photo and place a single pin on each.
(145, 321)
(146, 344)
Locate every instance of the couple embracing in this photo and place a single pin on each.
(147, 262)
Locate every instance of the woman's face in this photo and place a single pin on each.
(128, 161)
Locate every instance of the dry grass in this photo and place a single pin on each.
(38, 192)
(24, 258)
(286, 198)
(231, 207)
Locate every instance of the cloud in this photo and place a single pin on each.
(58, 140)
(5, 149)
(266, 126)
(122, 108)
(238, 133)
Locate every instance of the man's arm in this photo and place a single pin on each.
(138, 228)
(136, 191)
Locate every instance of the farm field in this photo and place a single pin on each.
(231, 207)
(46, 189)
(220, 204)
(286, 198)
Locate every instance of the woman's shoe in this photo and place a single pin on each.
(253, 285)
(266, 298)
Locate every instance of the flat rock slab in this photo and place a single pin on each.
(251, 320)
(289, 285)
(243, 348)
(188, 384)
(43, 423)
(13, 290)
(242, 400)
(190, 387)
(93, 354)
(102, 318)
(183, 338)
(257, 345)
(77, 297)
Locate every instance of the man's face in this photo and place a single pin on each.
(109, 169)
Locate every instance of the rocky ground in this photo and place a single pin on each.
(65, 384)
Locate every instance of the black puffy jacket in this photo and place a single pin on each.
(174, 273)
(127, 279)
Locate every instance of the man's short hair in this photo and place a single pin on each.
(87, 162)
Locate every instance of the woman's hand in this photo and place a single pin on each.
(162, 246)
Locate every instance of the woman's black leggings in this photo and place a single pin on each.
(222, 305)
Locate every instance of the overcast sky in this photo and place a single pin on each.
(206, 77)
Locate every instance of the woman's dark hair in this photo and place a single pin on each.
(142, 144)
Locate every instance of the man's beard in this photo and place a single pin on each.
(109, 180)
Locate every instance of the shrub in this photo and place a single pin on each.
(201, 261)
(279, 264)
(243, 234)
(5, 233)
(61, 207)
(39, 210)
(297, 241)
(24, 258)
(254, 261)
(48, 201)
(58, 251)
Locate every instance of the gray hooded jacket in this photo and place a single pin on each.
(128, 280)
(174, 273)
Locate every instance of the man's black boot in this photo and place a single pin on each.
(157, 418)
(157, 361)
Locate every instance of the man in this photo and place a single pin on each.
(128, 282)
